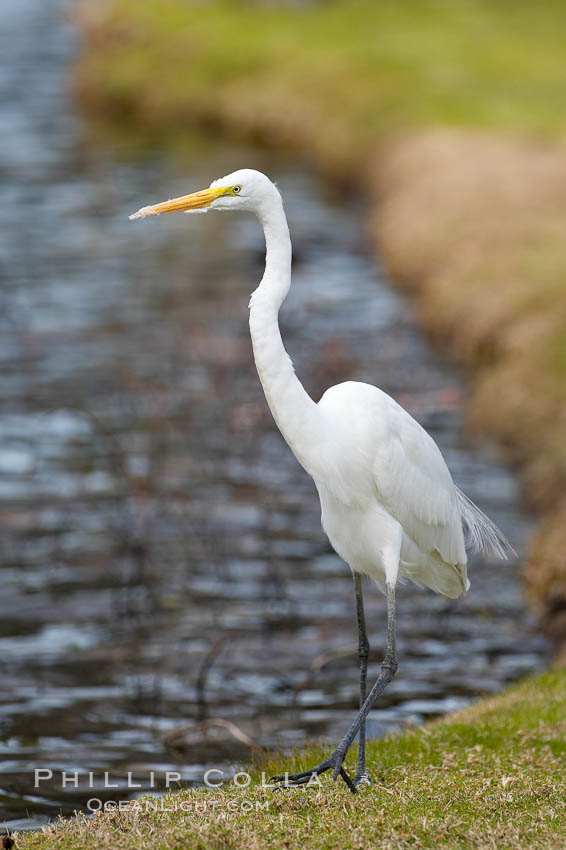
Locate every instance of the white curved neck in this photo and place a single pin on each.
(295, 413)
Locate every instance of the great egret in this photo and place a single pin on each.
(389, 505)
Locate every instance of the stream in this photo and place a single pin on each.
(162, 560)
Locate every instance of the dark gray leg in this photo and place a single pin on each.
(362, 777)
(388, 669)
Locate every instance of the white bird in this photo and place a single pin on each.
(388, 502)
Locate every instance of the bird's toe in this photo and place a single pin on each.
(307, 777)
(361, 780)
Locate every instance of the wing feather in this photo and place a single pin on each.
(416, 487)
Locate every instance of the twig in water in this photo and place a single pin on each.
(219, 722)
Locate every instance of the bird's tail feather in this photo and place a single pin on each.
(482, 535)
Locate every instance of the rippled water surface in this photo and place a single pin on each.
(162, 556)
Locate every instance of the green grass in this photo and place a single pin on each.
(334, 75)
(492, 776)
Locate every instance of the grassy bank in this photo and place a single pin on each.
(434, 109)
(333, 76)
(492, 776)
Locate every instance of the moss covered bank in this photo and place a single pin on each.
(452, 117)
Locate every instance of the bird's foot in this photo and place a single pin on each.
(309, 777)
(362, 779)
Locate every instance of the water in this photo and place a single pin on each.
(162, 556)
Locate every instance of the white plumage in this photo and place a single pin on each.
(398, 493)
(389, 505)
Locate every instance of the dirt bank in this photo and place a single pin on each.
(474, 227)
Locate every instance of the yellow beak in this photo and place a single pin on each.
(196, 201)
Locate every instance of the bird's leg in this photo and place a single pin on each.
(362, 777)
(388, 669)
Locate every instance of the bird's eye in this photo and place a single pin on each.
(237, 189)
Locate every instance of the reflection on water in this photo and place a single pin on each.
(162, 556)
